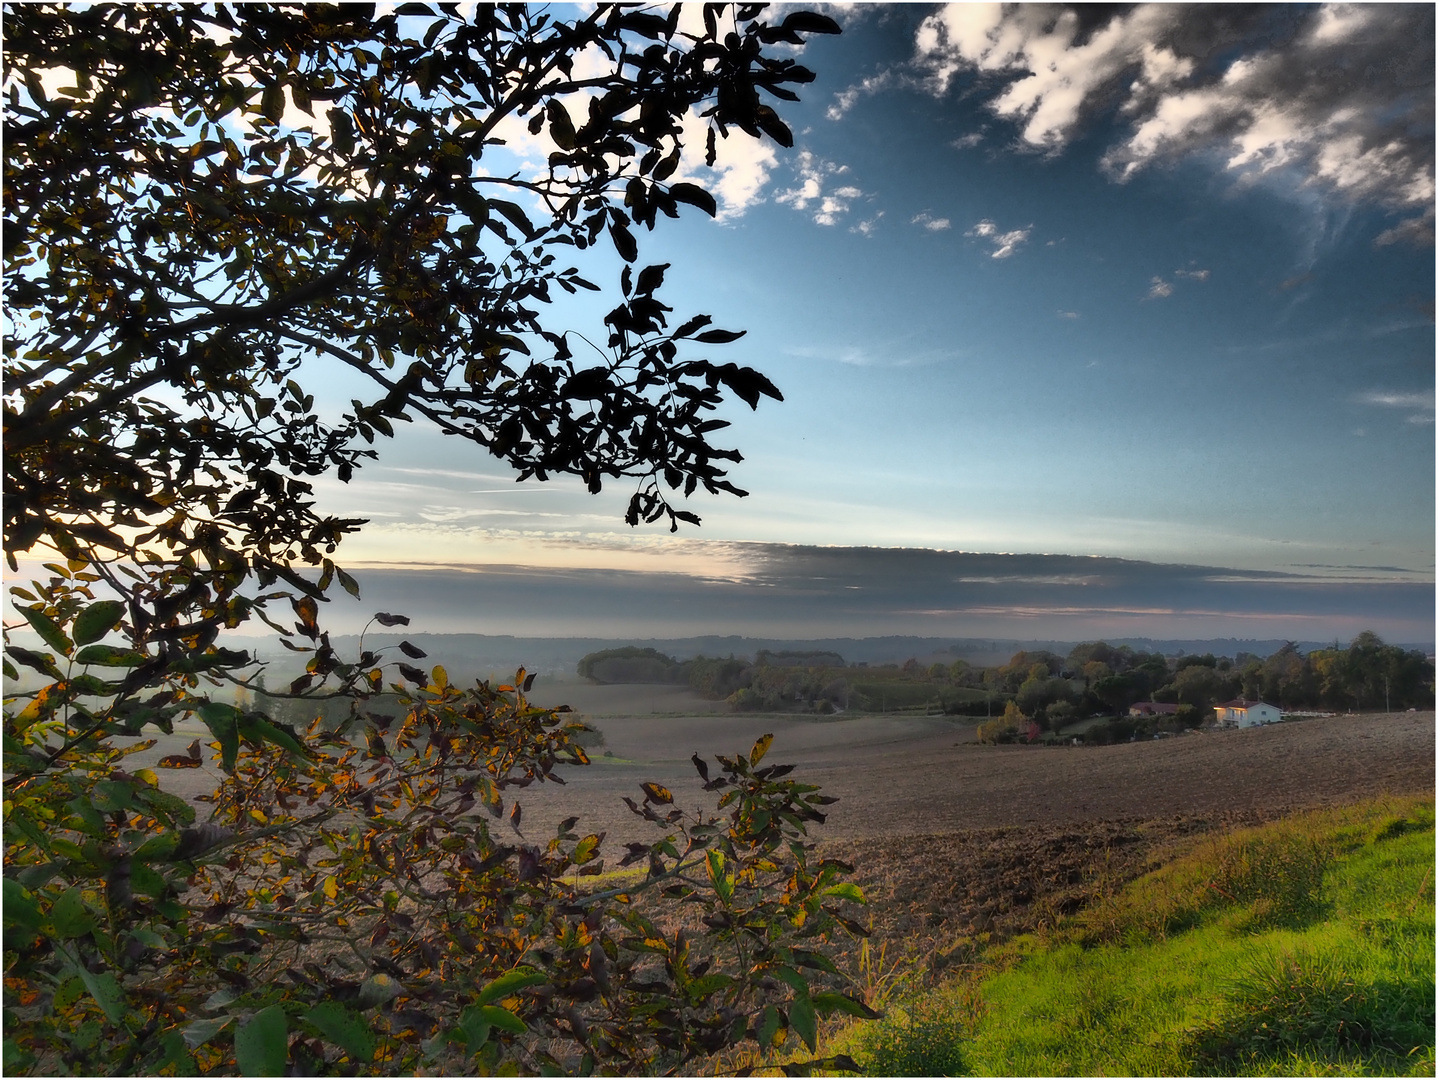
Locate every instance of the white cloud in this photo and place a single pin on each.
(868, 226)
(1421, 400)
(930, 222)
(1417, 231)
(827, 207)
(1158, 288)
(1193, 275)
(847, 98)
(966, 142)
(742, 166)
(1392, 400)
(1342, 102)
(1068, 314)
(1004, 243)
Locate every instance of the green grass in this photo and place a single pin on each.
(1301, 948)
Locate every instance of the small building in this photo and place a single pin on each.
(1152, 708)
(1243, 713)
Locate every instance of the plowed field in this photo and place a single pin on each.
(952, 840)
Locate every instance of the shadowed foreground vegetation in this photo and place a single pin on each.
(1304, 947)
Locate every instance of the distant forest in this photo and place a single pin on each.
(1043, 687)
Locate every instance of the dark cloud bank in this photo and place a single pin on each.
(795, 592)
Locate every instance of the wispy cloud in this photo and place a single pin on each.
(868, 226)
(814, 194)
(1159, 288)
(969, 141)
(1421, 400)
(1417, 231)
(1004, 243)
(847, 98)
(1068, 314)
(1338, 97)
(928, 221)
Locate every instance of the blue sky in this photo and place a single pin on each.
(1169, 299)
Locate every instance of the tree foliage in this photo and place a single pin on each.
(210, 202)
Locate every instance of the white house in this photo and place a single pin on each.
(1241, 713)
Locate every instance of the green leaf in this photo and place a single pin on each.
(848, 891)
(722, 882)
(48, 629)
(106, 992)
(502, 1019)
(20, 907)
(259, 729)
(68, 916)
(345, 1028)
(796, 982)
(474, 1028)
(262, 1043)
(96, 621)
(17, 1060)
(223, 722)
(199, 1032)
(509, 984)
(44, 663)
(761, 747)
(803, 1020)
(585, 849)
(173, 1052)
(109, 656)
(350, 585)
(769, 1027)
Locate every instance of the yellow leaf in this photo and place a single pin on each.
(331, 888)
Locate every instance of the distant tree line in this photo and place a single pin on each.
(1044, 688)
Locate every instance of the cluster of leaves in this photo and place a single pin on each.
(345, 905)
(224, 195)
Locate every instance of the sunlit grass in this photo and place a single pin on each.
(1301, 948)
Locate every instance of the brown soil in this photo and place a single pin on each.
(956, 843)
(926, 776)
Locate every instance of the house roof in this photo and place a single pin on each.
(1241, 703)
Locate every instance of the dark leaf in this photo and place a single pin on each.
(719, 337)
(695, 195)
(624, 241)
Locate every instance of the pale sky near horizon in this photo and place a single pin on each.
(1155, 284)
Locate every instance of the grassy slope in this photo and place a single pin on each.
(1302, 948)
